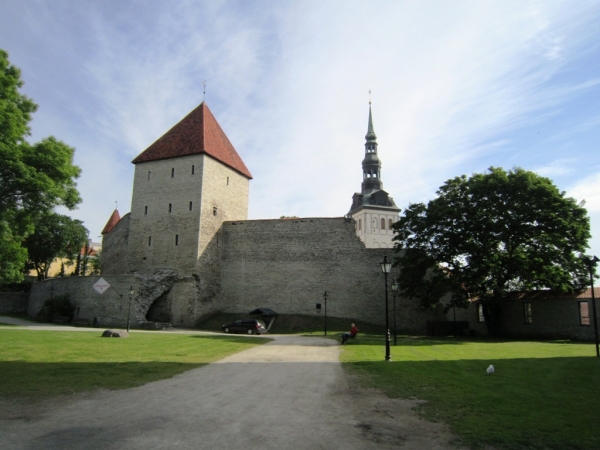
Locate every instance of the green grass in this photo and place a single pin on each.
(40, 364)
(543, 395)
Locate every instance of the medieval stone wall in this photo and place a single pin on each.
(114, 248)
(13, 302)
(165, 214)
(287, 265)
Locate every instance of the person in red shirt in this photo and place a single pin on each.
(352, 334)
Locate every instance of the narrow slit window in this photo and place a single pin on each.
(149, 173)
(172, 172)
(145, 210)
(227, 181)
(176, 239)
(190, 206)
(193, 167)
(149, 241)
(170, 207)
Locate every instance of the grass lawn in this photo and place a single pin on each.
(542, 395)
(39, 364)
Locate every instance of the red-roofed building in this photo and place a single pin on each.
(186, 184)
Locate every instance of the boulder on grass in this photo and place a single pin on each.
(115, 333)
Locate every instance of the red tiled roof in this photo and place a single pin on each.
(198, 132)
(114, 218)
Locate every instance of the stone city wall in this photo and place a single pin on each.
(288, 264)
(13, 302)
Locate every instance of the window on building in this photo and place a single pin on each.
(170, 207)
(145, 210)
(214, 211)
(176, 239)
(193, 167)
(190, 206)
(172, 172)
(480, 316)
(359, 224)
(149, 173)
(584, 313)
(227, 181)
(149, 241)
(527, 313)
(390, 223)
(383, 224)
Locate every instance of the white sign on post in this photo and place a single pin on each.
(101, 285)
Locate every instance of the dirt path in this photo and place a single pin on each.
(291, 393)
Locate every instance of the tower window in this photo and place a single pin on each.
(214, 210)
(359, 224)
(149, 241)
(383, 224)
(190, 206)
(172, 172)
(176, 239)
(170, 207)
(149, 173)
(390, 223)
(227, 181)
(145, 210)
(193, 167)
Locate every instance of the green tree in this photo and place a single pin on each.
(490, 235)
(55, 236)
(34, 178)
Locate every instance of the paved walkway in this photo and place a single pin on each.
(291, 393)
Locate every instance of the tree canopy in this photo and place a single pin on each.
(34, 178)
(489, 235)
(54, 236)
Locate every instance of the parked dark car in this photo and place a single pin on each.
(249, 326)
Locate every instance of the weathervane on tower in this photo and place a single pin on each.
(204, 93)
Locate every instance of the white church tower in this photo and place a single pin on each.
(373, 209)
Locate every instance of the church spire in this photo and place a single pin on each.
(371, 164)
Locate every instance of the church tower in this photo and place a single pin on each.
(373, 209)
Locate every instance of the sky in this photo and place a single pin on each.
(456, 87)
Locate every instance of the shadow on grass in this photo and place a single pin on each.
(42, 380)
(534, 403)
(240, 339)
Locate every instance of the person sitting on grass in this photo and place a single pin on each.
(352, 334)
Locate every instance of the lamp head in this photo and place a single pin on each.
(131, 290)
(394, 285)
(386, 266)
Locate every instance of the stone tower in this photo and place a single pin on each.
(373, 209)
(185, 185)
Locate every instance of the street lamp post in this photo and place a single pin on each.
(129, 313)
(386, 267)
(394, 290)
(591, 261)
(325, 301)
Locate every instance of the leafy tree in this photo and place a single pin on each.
(34, 178)
(55, 236)
(490, 235)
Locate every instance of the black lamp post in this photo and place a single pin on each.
(325, 301)
(591, 261)
(394, 290)
(386, 267)
(129, 313)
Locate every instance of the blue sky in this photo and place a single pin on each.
(457, 87)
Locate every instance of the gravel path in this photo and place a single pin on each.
(291, 393)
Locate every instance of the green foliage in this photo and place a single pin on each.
(33, 178)
(486, 236)
(541, 396)
(54, 236)
(37, 364)
(59, 305)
